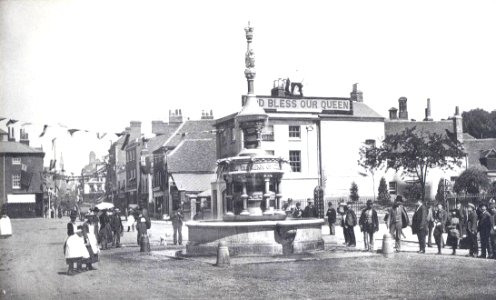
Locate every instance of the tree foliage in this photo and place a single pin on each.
(472, 181)
(413, 192)
(415, 153)
(479, 123)
(354, 192)
(440, 196)
(384, 195)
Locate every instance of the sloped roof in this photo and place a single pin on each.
(15, 147)
(3, 132)
(193, 155)
(192, 129)
(426, 127)
(475, 149)
(362, 110)
(193, 182)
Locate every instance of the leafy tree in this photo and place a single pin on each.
(415, 153)
(472, 181)
(384, 195)
(440, 196)
(479, 123)
(354, 192)
(413, 192)
(369, 162)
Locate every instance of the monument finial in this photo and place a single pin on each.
(250, 60)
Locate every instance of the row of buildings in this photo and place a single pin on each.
(319, 136)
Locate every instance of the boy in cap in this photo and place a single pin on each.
(369, 224)
(331, 218)
(349, 222)
(310, 211)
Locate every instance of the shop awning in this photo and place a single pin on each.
(23, 198)
(193, 182)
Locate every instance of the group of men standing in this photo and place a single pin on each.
(462, 226)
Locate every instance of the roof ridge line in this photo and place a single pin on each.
(174, 134)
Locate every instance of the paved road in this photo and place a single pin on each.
(32, 266)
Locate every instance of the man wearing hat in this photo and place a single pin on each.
(331, 218)
(349, 222)
(485, 226)
(310, 211)
(369, 224)
(419, 224)
(397, 218)
(472, 230)
(117, 228)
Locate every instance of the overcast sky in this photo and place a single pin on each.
(96, 65)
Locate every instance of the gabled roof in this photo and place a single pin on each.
(426, 127)
(193, 156)
(197, 129)
(475, 148)
(15, 147)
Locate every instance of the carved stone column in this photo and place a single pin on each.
(267, 195)
(244, 197)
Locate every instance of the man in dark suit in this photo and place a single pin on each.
(310, 211)
(331, 218)
(440, 218)
(485, 226)
(472, 230)
(419, 224)
(397, 218)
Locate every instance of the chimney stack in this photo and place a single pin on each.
(175, 117)
(355, 94)
(458, 125)
(393, 113)
(206, 115)
(23, 137)
(135, 129)
(403, 112)
(428, 111)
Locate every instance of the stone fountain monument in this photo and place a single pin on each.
(261, 228)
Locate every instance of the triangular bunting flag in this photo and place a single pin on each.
(11, 121)
(100, 136)
(71, 131)
(126, 141)
(44, 130)
(119, 134)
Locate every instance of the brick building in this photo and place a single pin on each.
(20, 176)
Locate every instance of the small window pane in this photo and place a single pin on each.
(16, 160)
(294, 132)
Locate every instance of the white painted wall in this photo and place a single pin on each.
(341, 142)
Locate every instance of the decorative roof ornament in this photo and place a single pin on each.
(252, 117)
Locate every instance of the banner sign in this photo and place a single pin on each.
(324, 105)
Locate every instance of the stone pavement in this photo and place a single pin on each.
(334, 246)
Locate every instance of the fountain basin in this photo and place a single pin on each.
(255, 238)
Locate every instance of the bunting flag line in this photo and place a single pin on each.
(126, 141)
(119, 134)
(72, 131)
(11, 121)
(100, 136)
(1, 119)
(44, 130)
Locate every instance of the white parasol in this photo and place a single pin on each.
(104, 205)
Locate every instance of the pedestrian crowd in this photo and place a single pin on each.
(459, 228)
(100, 230)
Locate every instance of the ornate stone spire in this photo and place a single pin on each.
(252, 117)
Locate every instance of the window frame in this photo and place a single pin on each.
(393, 191)
(16, 178)
(296, 166)
(16, 160)
(294, 134)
